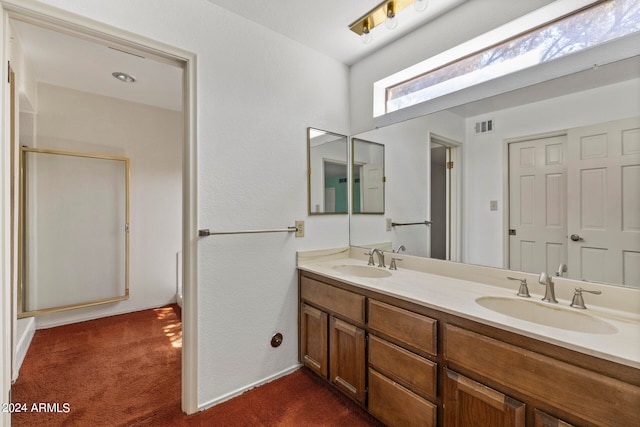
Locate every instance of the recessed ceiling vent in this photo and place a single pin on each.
(484, 127)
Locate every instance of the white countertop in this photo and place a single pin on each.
(457, 296)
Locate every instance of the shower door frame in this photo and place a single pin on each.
(22, 247)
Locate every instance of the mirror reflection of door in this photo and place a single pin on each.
(603, 171)
(596, 170)
(368, 177)
(438, 201)
(372, 188)
(537, 212)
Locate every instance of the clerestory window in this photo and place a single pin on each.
(568, 34)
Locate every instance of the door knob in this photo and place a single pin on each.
(576, 238)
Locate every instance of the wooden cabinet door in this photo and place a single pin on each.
(347, 358)
(314, 326)
(470, 404)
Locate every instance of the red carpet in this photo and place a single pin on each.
(125, 371)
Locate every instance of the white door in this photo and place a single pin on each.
(373, 188)
(537, 210)
(604, 202)
(330, 200)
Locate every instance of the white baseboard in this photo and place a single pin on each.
(26, 328)
(225, 397)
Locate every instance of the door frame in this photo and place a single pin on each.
(454, 196)
(506, 191)
(82, 27)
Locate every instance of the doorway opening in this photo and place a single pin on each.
(115, 42)
(443, 198)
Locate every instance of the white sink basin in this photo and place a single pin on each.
(362, 271)
(547, 315)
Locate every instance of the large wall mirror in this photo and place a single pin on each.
(328, 177)
(367, 168)
(487, 217)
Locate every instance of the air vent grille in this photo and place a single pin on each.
(485, 126)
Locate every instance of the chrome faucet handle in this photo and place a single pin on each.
(578, 301)
(392, 265)
(524, 290)
(370, 253)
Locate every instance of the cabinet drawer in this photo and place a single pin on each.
(574, 390)
(394, 405)
(335, 300)
(545, 420)
(408, 328)
(409, 369)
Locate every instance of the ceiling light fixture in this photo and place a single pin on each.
(366, 34)
(384, 12)
(124, 77)
(391, 22)
(421, 5)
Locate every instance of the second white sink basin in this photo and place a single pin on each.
(547, 315)
(362, 271)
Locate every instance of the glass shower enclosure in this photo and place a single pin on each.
(73, 230)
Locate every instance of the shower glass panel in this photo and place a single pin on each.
(74, 231)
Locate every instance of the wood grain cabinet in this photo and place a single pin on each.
(402, 381)
(542, 419)
(347, 358)
(313, 339)
(396, 405)
(471, 404)
(582, 394)
(410, 365)
(331, 342)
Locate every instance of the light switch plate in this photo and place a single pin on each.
(493, 205)
(299, 228)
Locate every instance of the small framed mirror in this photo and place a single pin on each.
(327, 171)
(368, 177)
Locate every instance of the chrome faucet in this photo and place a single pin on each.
(549, 293)
(562, 268)
(380, 257)
(398, 249)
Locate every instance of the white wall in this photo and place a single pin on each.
(6, 301)
(460, 25)
(152, 140)
(407, 187)
(254, 111)
(26, 84)
(484, 155)
(257, 94)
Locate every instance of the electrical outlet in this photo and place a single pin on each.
(299, 228)
(493, 205)
(389, 224)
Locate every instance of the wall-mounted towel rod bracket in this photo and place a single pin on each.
(399, 224)
(206, 232)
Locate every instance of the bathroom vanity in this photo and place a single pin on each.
(416, 349)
